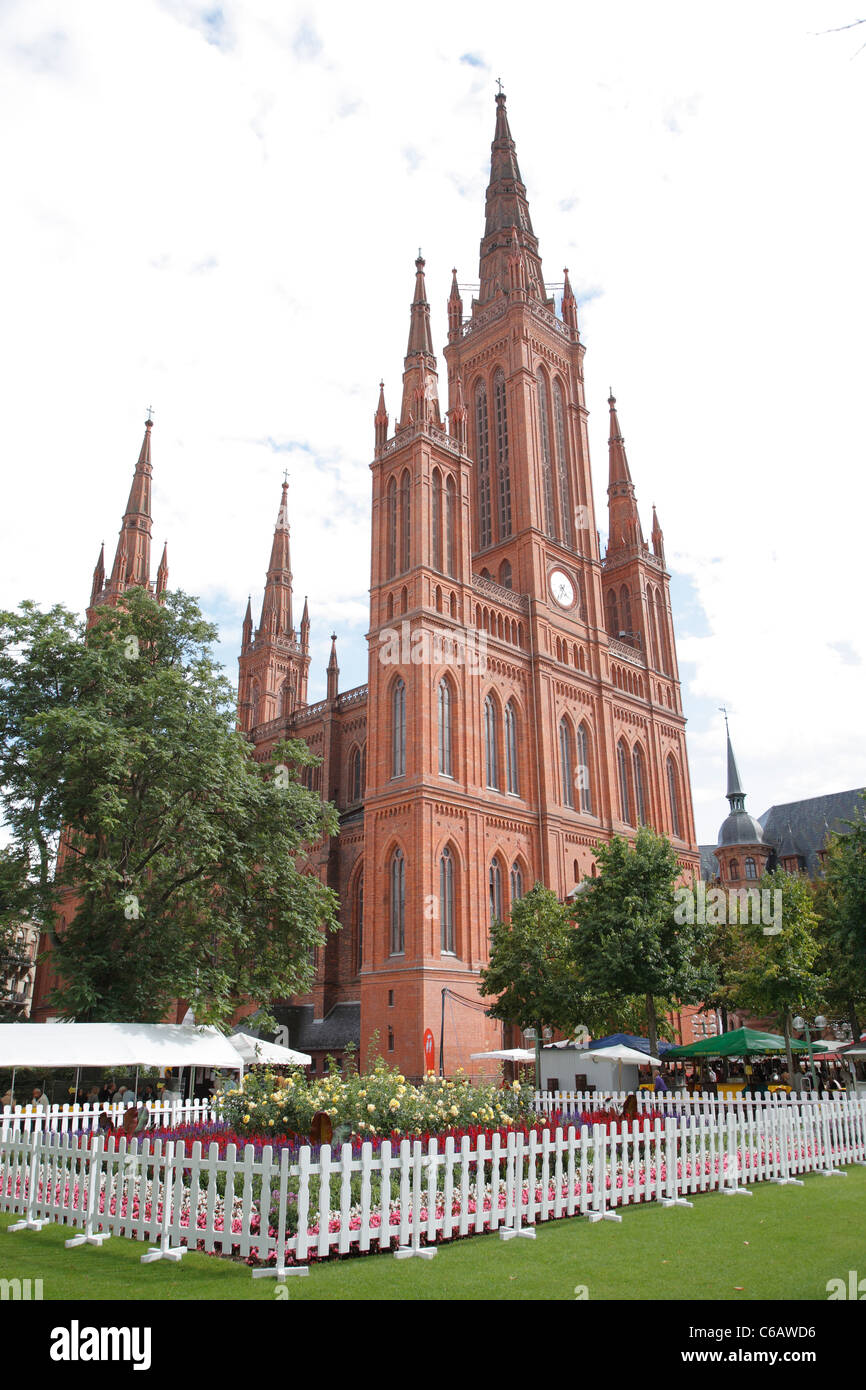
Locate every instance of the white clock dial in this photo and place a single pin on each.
(561, 588)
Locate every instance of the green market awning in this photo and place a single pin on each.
(741, 1042)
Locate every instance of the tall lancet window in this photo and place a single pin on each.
(391, 522)
(436, 499)
(565, 505)
(405, 522)
(398, 903)
(622, 772)
(516, 883)
(639, 800)
(490, 740)
(446, 901)
(566, 762)
(450, 524)
(494, 884)
(546, 462)
(398, 730)
(445, 761)
(673, 793)
(502, 466)
(583, 770)
(482, 461)
(512, 783)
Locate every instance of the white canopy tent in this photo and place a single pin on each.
(252, 1050)
(507, 1054)
(132, 1045)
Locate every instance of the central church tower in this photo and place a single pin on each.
(510, 726)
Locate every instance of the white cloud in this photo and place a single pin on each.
(215, 208)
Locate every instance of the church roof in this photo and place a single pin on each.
(802, 827)
(796, 827)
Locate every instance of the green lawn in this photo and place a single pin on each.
(780, 1243)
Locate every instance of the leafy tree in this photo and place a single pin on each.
(778, 974)
(532, 970)
(171, 855)
(534, 974)
(627, 939)
(841, 905)
(13, 891)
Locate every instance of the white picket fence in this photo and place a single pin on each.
(68, 1119)
(280, 1211)
(574, 1103)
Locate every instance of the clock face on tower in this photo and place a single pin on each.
(561, 588)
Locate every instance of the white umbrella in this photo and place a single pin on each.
(254, 1050)
(507, 1054)
(618, 1052)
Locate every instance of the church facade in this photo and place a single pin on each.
(523, 699)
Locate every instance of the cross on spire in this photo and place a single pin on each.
(499, 85)
(149, 415)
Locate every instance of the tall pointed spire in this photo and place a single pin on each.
(98, 576)
(305, 627)
(420, 404)
(247, 630)
(132, 557)
(735, 793)
(624, 528)
(276, 620)
(455, 310)
(658, 538)
(162, 572)
(508, 230)
(569, 304)
(380, 420)
(333, 670)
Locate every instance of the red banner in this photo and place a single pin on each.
(429, 1051)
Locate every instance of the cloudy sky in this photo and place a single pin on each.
(215, 209)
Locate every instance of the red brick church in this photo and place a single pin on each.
(523, 698)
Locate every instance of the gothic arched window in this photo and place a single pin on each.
(491, 733)
(673, 794)
(751, 870)
(566, 762)
(734, 871)
(255, 701)
(612, 615)
(359, 920)
(505, 574)
(565, 506)
(494, 885)
(449, 524)
(502, 465)
(444, 704)
(639, 802)
(436, 501)
(546, 463)
(405, 522)
(516, 883)
(391, 521)
(511, 777)
(625, 609)
(584, 771)
(398, 903)
(622, 771)
(398, 729)
(482, 459)
(446, 901)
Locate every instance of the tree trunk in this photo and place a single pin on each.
(853, 1020)
(651, 1025)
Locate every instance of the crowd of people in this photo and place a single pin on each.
(750, 1077)
(123, 1091)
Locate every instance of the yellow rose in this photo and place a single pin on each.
(246, 1119)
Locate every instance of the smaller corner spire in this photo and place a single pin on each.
(658, 538)
(455, 310)
(380, 420)
(162, 572)
(569, 304)
(333, 670)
